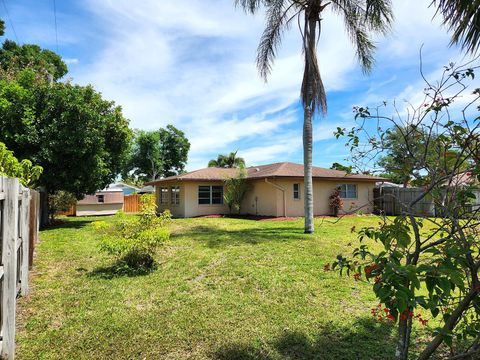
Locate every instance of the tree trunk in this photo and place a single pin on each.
(404, 329)
(310, 33)
(307, 163)
(449, 324)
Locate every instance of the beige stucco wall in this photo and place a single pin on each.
(267, 198)
(270, 200)
(177, 210)
(193, 208)
(261, 199)
(97, 209)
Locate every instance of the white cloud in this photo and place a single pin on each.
(192, 64)
(69, 61)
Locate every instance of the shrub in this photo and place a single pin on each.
(335, 201)
(135, 239)
(235, 190)
(60, 201)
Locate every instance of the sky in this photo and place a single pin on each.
(192, 64)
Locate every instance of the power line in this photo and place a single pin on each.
(10, 21)
(55, 16)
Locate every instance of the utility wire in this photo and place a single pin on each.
(56, 28)
(10, 21)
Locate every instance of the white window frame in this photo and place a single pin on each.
(175, 195)
(344, 191)
(164, 195)
(210, 198)
(296, 192)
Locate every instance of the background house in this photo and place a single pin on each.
(276, 190)
(127, 189)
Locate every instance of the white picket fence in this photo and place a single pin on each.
(15, 236)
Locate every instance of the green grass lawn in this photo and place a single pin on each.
(224, 289)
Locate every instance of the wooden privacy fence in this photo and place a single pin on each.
(393, 201)
(19, 209)
(131, 203)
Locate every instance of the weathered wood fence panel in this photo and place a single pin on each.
(394, 201)
(131, 203)
(70, 212)
(16, 228)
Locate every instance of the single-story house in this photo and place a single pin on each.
(104, 202)
(276, 190)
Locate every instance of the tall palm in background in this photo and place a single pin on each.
(227, 161)
(463, 18)
(361, 18)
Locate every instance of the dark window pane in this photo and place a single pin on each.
(204, 194)
(217, 194)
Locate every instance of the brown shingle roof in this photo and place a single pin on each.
(283, 169)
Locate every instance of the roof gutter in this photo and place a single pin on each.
(283, 193)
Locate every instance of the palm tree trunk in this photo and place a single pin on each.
(310, 34)
(307, 165)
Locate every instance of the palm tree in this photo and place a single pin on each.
(463, 18)
(361, 17)
(227, 161)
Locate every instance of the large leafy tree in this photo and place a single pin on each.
(361, 18)
(46, 63)
(337, 166)
(158, 153)
(408, 170)
(78, 138)
(227, 161)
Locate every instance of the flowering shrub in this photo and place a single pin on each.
(335, 201)
(134, 239)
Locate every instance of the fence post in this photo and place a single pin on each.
(25, 231)
(9, 262)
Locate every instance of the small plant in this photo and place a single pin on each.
(135, 239)
(335, 202)
(235, 190)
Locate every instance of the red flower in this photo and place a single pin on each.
(356, 276)
(391, 317)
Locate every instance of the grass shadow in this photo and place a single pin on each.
(219, 237)
(119, 269)
(367, 338)
(67, 224)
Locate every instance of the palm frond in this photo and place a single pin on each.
(277, 16)
(313, 91)
(355, 18)
(463, 18)
(250, 6)
(379, 15)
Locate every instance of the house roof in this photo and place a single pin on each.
(121, 185)
(462, 179)
(283, 169)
